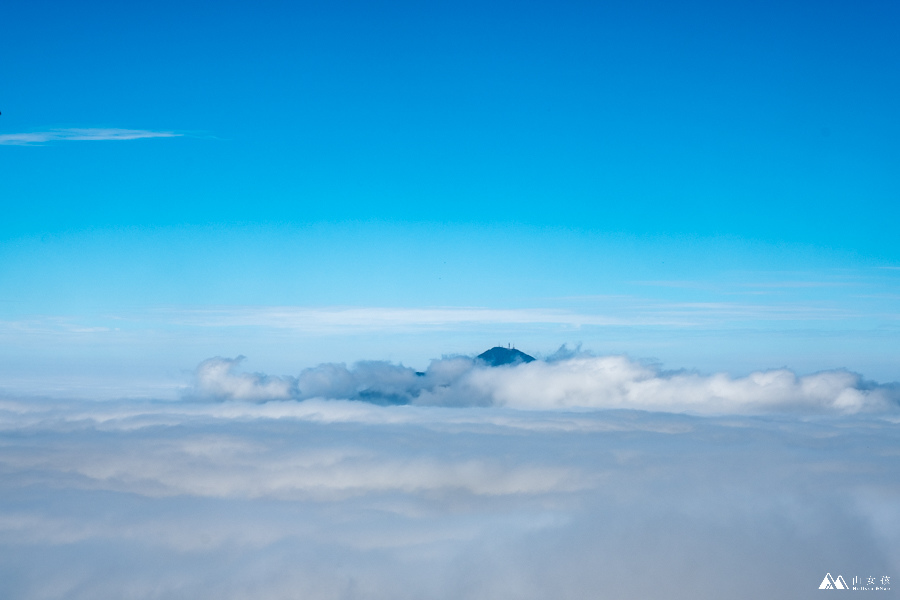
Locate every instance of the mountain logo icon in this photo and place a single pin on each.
(832, 583)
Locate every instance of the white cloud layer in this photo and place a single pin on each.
(83, 134)
(580, 381)
(328, 499)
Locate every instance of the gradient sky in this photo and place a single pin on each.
(711, 186)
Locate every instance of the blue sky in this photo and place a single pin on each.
(765, 121)
(628, 160)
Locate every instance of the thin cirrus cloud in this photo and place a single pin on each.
(565, 381)
(335, 319)
(633, 312)
(81, 134)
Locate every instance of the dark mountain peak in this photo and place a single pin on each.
(499, 355)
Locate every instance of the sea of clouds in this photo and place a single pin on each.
(574, 477)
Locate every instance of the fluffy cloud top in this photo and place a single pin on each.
(218, 378)
(578, 381)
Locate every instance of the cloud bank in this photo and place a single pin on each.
(332, 499)
(579, 381)
(85, 134)
(462, 481)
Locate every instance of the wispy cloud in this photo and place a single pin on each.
(636, 312)
(629, 312)
(334, 319)
(80, 134)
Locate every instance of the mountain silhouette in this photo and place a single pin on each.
(499, 355)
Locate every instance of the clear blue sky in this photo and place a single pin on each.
(628, 159)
